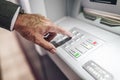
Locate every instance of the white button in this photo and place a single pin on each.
(101, 78)
(87, 45)
(93, 64)
(95, 73)
(103, 72)
(78, 34)
(90, 69)
(81, 49)
(73, 37)
(107, 76)
(77, 39)
(74, 32)
(82, 36)
(99, 69)
(72, 43)
(66, 47)
(98, 75)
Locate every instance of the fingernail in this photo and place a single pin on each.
(53, 51)
(70, 34)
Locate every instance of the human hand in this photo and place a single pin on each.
(34, 27)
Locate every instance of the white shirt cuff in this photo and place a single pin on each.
(14, 18)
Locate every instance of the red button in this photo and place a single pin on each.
(94, 42)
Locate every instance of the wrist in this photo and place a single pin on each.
(21, 12)
(18, 21)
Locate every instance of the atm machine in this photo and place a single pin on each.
(93, 53)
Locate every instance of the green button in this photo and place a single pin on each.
(76, 55)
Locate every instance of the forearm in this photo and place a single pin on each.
(7, 11)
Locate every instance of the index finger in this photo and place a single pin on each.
(60, 30)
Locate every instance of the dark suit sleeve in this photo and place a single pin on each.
(7, 11)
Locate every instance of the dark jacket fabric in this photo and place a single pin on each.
(7, 11)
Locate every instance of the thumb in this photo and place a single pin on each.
(45, 44)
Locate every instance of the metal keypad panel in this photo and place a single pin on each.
(79, 44)
(96, 71)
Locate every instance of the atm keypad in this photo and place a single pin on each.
(79, 44)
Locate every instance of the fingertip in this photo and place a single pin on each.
(46, 45)
(53, 51)
(69, 34)
(64, 32)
